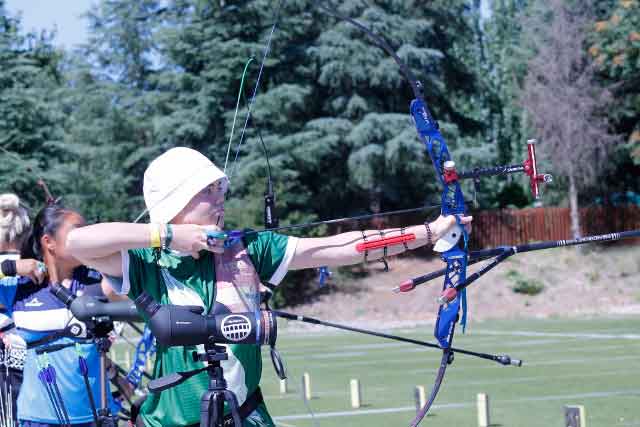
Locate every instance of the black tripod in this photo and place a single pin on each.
(212, 402)
(100, 329)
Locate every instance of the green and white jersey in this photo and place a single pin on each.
(183, 280)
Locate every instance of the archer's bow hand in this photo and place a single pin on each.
(443, 224)
(447, 295)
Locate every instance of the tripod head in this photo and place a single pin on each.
(212, 356)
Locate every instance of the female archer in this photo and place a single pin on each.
(175, 260)
(53, 391)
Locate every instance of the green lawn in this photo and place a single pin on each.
(593, 362)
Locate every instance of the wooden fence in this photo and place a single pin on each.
(513, 226)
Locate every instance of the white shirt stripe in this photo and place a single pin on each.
(281, 271)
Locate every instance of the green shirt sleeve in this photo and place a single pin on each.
(271, 254)
(140, 273)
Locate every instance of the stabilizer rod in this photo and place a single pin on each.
(503, 359)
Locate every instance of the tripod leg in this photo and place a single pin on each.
(205, 409)
(218, 410)
(234, 407)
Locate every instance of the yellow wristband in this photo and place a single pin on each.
(154, 235)
(2, 276)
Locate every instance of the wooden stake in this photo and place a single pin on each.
(283, 386)
(306, 385)
(420, 397)
(356, 394)
(483, 410)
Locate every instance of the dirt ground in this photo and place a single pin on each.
(603, 280)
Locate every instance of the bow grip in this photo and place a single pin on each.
(447, 296)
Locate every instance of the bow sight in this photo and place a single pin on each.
(528, 167)
(451, 177)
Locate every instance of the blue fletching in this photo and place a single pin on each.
(84, 368)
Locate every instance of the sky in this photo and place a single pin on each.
(47, 14)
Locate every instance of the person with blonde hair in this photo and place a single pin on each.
(14, 230)
(14, 225)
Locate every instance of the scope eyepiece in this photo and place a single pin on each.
(62, 293)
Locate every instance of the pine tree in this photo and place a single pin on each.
(110, 101)
(30, 121)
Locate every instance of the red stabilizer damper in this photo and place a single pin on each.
(387, 241)
(405, 286)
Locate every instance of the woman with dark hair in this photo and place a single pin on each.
(43, 322)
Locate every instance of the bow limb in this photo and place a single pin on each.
(444, 331)
(447, 358)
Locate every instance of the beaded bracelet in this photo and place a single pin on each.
(168, 236)
(429, 233)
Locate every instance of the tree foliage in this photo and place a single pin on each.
(331, 107)
(616, 50)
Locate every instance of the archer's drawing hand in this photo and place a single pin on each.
(193, 238)
(443, 224)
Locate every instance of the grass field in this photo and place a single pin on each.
(594, 362)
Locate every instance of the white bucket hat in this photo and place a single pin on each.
(173, 178)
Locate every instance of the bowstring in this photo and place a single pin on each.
(255, 90)
(235, 115)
